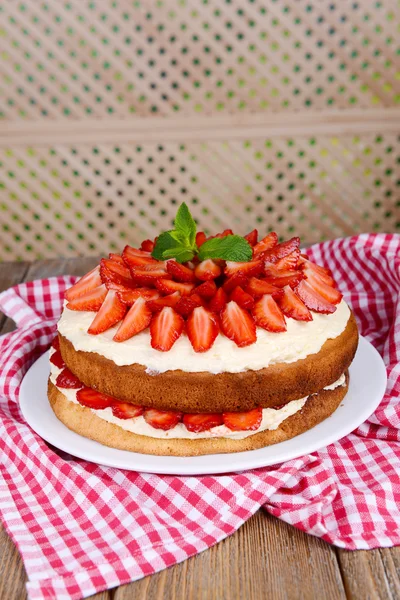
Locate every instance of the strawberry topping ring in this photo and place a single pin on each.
(184, 283)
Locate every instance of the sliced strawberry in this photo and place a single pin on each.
(288, 262)
(306, 262)
(158, 303)
(243, 421)
(117, 258)
(292, 306)
(253, 267)
(136, 319)
(128, 297)
(167, 286)
(112, 310)
(268, 315)
(252, 237)
(197, 422)
(112, 272)
(259, 287)
(147, 245)
(186, 305)
(218, 302)
(207, 289)
(56, 343)
(94, 399)
(235, 280)
(200, 238)
(310, 268)
(238, 325)
(281, 250)
(180, 272)
(146, 275)
(91, 301)
(162, 419)
(134, 257)
(281, 278)
(120, 287)
(165, 328)
(202, 329)
(222, 235)
(312, 299)
(57, 359)
(328, 292)
(66, 379)
(268, 242)
(200, 301)
(125, 410)
(242, 298)
(85, 284)
(207, 269)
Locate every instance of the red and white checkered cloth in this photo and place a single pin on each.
(82, 528)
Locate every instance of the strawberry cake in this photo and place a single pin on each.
(191, 345)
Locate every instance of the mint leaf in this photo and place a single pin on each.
(181, 254)
(165, 242)
(184, 224)
(170, 245)
(231, 247)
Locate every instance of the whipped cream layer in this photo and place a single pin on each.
(301, 339)
(271, 418)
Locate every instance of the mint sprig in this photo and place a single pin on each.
(180, 243)
(231, 247)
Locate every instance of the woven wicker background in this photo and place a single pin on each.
(277, 115)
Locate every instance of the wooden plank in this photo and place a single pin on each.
(12, 571)
(199, 128)
(371, 574)
(11, 273)
(266, 558)
(60, 266)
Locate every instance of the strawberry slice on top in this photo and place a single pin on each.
(90, 301)
(207, 269)
(111, 312)
(87, 283)
(238, 325)
(268, 315)
(179, 272)
(168, 286)
(157, 304)
(165, 328)
(253, 267)
(313, 300)
(292, 306)
(202, 329)
(268, 242)
(136, 320)
(252, 237)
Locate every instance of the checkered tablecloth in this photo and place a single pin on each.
(82, 528)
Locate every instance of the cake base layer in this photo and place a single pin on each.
(85, 422)
(205, 392)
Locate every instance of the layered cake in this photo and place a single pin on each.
(191, 345)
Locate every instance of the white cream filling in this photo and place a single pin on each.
(271, 418)
(301, 339)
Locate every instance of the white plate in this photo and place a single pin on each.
(367, 387)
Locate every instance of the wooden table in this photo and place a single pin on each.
(264, 559)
